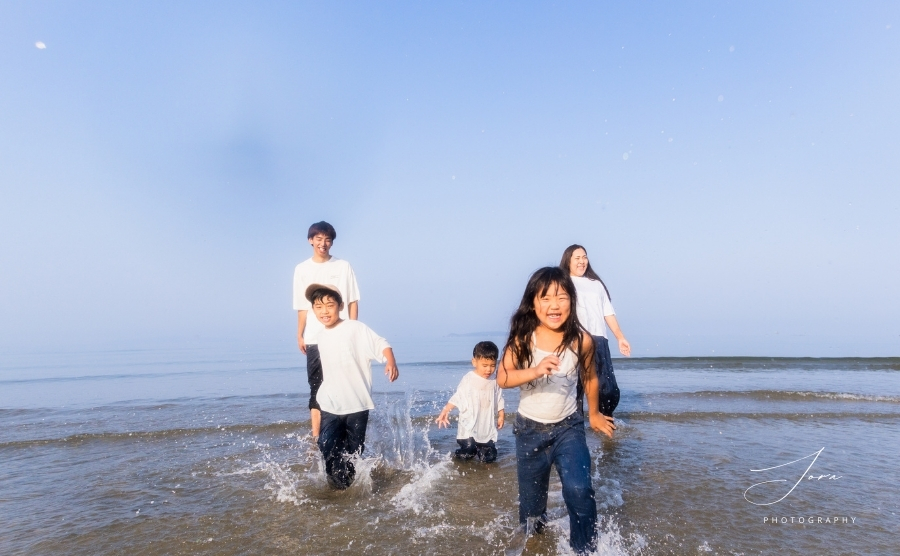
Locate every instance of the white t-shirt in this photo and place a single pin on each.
(593, 304)
(335, 272)
(478, 400)
(347, 351)
(552, 399)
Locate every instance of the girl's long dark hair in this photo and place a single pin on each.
(524, 321)
(589, 273)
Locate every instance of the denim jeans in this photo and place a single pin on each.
(341, 438)
(609, 389)
(468, 449)
(563, 444)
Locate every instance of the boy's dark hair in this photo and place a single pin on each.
(321, 228)
(319, 294)
(486, 350)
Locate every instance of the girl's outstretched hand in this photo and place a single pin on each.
(624, 347)
(602, 423)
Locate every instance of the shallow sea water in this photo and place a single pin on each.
(191, 452)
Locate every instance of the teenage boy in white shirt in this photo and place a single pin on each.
(321, 268)
(479, 399)
(347, 348)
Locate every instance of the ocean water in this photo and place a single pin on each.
(208, 452)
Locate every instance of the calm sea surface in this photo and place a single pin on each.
(202, 452)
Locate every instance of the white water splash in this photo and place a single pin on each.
(610, 541)
(393, 435)
(362, 483)
(283, 483)
(415, 495)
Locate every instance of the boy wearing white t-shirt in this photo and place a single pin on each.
(479, 399)
(346, 348)
(321, 268)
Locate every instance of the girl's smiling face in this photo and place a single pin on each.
(553, 307)
(578, 263)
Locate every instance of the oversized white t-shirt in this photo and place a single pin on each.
(347, 351)
(593, 304)
(335, 272)
(552, 399)
(478, 400)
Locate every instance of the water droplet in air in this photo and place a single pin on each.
(721, 98)
(625, 156)
(731, 49)
(40, 46)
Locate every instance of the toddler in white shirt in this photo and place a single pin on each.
(479, 400)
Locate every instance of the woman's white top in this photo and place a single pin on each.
(478, 400)
(347, 352)
(593, 305)
(552, 399)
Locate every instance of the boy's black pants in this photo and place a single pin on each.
(468, 448)
(341, 438)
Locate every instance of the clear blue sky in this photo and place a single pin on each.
(731, 167)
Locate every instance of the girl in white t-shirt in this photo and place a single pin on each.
(546, 355)
(595, 312)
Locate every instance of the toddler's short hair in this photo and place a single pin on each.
(321, 228)
(486, 350)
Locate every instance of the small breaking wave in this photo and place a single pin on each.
(781, 395)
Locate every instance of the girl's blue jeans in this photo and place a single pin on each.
(540, 446)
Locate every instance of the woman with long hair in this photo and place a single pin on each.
(595, 312)
(547, 355)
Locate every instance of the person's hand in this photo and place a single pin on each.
(548, 366)
(501, 419)
(602, 423)
(443, 420)
(301, 343)
(391, 371)
(624, 347)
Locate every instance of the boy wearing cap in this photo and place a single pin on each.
(346, 348)
(321, 268)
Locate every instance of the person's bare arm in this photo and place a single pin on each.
(353, 310)
(613, 324)
(508, 376)
(390, 368)
(501, 418)
(301, 326)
